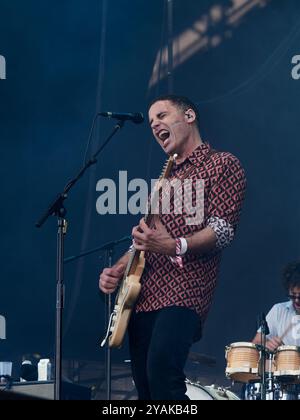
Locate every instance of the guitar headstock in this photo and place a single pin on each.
(159, 183)
(167, 167)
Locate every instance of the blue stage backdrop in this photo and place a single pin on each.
(64, 61)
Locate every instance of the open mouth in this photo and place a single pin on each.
(163, 135)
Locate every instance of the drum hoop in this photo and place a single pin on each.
(287, 373)
(242, 370)
(199, 386)
(243, 344)
(282, 348)
(220, 393)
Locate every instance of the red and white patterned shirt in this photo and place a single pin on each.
(164, 283)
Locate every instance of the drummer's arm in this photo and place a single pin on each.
(271, 344)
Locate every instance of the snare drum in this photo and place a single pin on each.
(196, 391)
(287, 364)
(242, 362)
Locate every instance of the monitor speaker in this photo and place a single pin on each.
(44, 391)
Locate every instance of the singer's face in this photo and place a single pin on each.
(293, 293)
(169, 126)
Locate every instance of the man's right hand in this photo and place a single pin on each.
(274, 343)
(110, 277)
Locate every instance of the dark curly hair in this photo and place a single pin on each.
(182, 102)
(291, 275)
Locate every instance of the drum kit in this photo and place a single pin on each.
(281, 371)
(263, 374)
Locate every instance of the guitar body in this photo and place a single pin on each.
(128, 293)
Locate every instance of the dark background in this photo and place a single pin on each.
(68, 59)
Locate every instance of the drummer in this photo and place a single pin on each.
(284, 318)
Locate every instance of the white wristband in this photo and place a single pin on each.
(184, 246)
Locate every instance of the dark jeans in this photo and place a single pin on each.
(159, 345)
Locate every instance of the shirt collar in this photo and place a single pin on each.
(289, 306)
(198, 154)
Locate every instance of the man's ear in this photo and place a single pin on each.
(190, 115)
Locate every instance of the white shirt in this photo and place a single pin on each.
(284, 322)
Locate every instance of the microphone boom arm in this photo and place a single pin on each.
(57, 207)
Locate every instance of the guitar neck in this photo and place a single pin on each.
(149, 216)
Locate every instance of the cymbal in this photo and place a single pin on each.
(202, 358)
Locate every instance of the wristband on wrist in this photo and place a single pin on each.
(184, 246)
(181, 248)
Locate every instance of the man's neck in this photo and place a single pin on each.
(189, 149)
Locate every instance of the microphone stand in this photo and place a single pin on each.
(57, 209)
(264, 332)
(104, 247)
(108, 306)
(109, 250)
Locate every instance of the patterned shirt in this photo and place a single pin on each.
(164, 283)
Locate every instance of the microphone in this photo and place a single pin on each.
(265, 323)
(136, 117)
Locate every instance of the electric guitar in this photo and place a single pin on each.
(130, 285)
